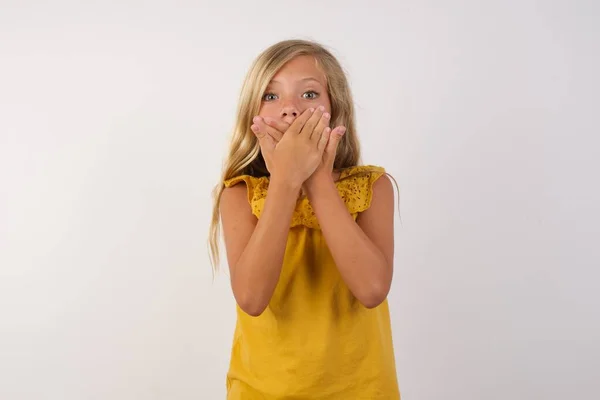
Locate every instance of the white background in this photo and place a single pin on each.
(114, 120)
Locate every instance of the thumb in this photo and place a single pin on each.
(266, 141)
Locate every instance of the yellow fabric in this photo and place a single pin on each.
(314, 341)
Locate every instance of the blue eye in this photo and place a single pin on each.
(311, 95)
(269, 96)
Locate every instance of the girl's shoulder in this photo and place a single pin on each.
(262, 182)
(258, 185)
(361, 171)
(355, 186)
(359, 177)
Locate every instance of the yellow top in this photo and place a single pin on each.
(315, 340)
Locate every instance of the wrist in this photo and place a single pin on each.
(284, 184)
(317, 181)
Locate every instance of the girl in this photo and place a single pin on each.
(309, 236)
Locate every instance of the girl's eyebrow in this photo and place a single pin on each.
(308, 78)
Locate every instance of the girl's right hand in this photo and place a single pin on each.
(297, 155)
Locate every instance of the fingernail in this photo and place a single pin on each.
(256, 119)
(254, 128)
(342, 130)
(326, 115)
(311, 109)
(322, 108)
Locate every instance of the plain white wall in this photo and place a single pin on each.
(114, 119)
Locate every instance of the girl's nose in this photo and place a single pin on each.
(289, 111)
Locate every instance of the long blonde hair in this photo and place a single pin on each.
(244, 156)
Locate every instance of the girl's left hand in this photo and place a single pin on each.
(276, 128)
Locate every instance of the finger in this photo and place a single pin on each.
(263, 127)
(259, 134)
(334, 139)
(324, 139)
(323, 123)
(299, 122)
(280, 125)
(312, 122)
(266, 141)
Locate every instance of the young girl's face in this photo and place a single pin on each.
(297, 86)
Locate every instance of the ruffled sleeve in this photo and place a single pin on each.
(257, 190)
(355, 187)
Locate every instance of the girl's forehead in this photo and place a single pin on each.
(300, 68)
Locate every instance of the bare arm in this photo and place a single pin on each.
(363, 250)
(255, 248)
